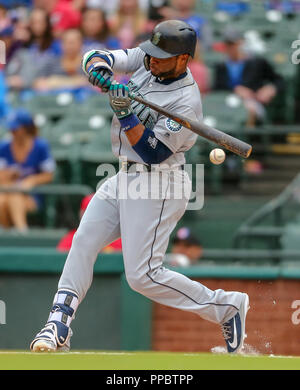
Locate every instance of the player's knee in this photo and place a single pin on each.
(80, 241)
(138, 283)
(84, 244)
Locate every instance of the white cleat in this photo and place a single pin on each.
(234, 330)
(51, 338)
(43, 346)
(45, 340)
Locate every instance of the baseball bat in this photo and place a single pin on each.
(220, 138)
(228, 142)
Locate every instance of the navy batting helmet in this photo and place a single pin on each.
(170, 38)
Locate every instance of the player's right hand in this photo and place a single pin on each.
(101, 75)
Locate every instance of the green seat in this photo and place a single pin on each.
(97, 104)
(205, 7)
(224, 111)
(67, 138)
(290, 237)
(96, 153)
(271, 222)
(61, 203)
(52, 106)
(69, 134)
(99, 148)
(211, 58)
(35, 237)
(193, 156)
(13, 98)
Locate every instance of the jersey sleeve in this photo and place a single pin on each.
(46, 163)
(127, 61)
(176, 137)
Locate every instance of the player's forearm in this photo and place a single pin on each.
(135, 134)
(93, 60)
(145, 144)
(123, 61)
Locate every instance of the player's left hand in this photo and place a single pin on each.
(119, 99)
(101, 75)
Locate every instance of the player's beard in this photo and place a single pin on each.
(164, 75)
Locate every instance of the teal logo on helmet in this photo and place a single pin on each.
(156, 38)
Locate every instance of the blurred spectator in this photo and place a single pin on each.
(251, 77)
(4, 106)
(5, 19)
(128, 22)
(64, 72)
(16, 3)
(95, 30)
(185, 10)
(41, 37)
(41, 47)
(284, 6)
(66, 242)
(115, 246)
(6, 36)
(154, 9)
(21, 27)
(6, 32)
(233, 8)
(111, 6)
(200, 71)
(25, 162)
(64, 14)
(186, 249)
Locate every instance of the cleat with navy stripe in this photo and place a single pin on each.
(234, 329)
(56, 334)
(53, 337)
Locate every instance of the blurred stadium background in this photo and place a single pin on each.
(250, 223)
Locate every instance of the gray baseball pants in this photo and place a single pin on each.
(144, 226)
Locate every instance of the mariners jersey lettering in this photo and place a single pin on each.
(181, 96)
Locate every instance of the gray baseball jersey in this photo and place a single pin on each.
(145, 223)
(181, 96)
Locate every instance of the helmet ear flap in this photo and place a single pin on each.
(147, 61)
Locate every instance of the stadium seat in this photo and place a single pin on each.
(211, 58)
(96, 152)
(268, 224)
(52, 106)
(225, 111)
(96, 104)
(98, 145)
(35, 237)
(67, 136)
(290, 236)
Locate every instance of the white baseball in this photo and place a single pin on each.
(217, 156)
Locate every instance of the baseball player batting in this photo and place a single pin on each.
(148, 143)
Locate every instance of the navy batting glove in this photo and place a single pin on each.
(119, 99)
(101, 75)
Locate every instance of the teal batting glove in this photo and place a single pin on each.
(119, 98)
(100, 75)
